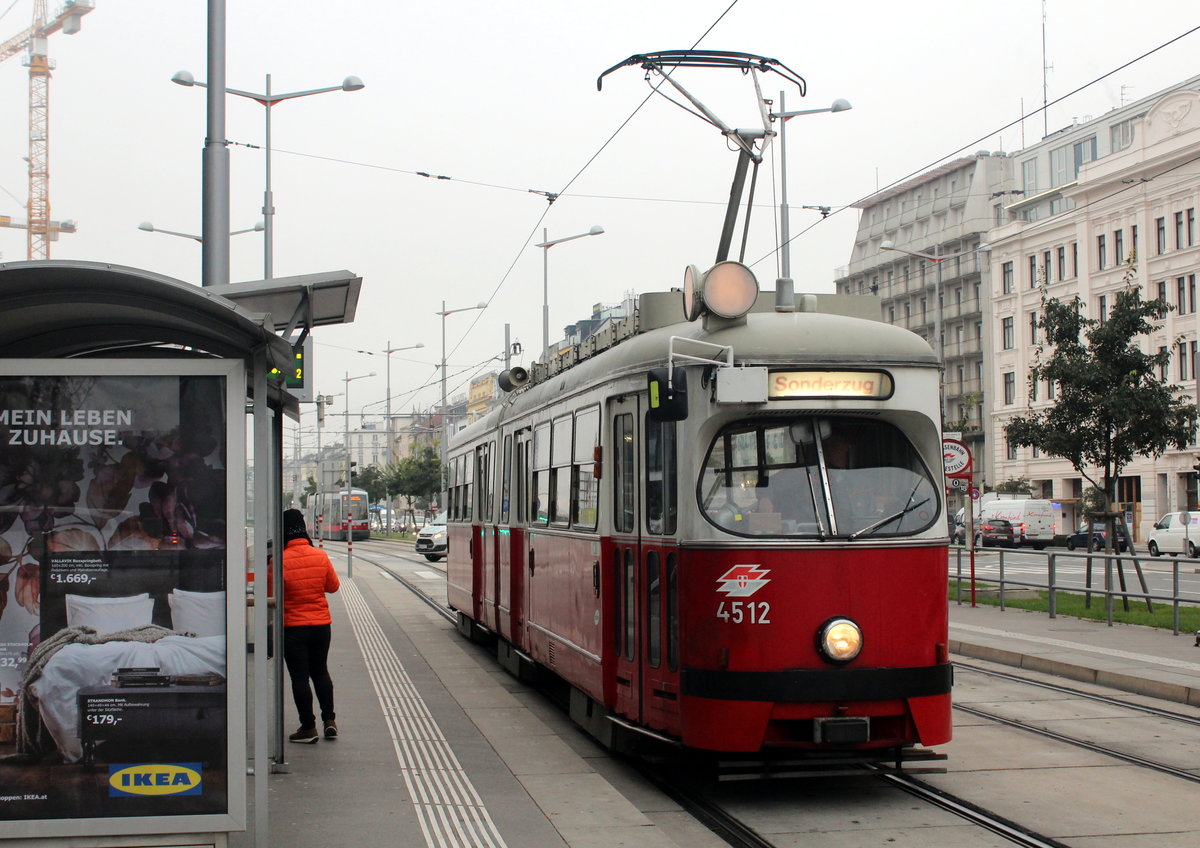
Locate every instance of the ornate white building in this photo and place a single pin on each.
(1099, 200)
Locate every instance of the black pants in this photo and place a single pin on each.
(306, 652)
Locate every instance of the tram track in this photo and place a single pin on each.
(1076, 741)
(696, 799)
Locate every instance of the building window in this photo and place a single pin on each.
(1103, 309)
(1101, 252)
(1074, 259)
(1133, 240)
(1033, 391)
(1084, 152)
(1010, 387)
(1006, 278)
(1033, 328)
(1049, 390)
(1162, 366)
(1060, 166)
(1181, 295)
(1183, 361)
(1029, 177)
(1160, 228)
(1119, 247)
(1046, 267)
(1033, 280)
(891, 315)
(1180, 240)
(1010, 450)
(1120, 136)
(1062, 264)
(1191, 289)
(1006, 332)
(1191, 227)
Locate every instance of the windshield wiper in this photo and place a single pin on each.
(888, 520)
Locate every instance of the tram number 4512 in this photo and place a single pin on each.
(735, 612)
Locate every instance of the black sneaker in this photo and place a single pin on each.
(305, 736)
(331, 729)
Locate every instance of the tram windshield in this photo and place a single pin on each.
(817, 477)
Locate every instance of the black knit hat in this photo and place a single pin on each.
(294, 526)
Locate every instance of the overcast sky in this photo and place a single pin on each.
(501, 97)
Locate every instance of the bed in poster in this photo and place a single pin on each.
(114, 511)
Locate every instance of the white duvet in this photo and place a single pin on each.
(77, 666)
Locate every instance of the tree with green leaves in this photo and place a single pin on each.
(418, 475)
(371, 479)
(1110, 404)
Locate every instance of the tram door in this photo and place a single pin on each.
(485, 544)
(624, 564)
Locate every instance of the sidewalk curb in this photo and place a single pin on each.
(1114, 680)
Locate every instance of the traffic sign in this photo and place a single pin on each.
(956, 458)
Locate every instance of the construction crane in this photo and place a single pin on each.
(41, 230)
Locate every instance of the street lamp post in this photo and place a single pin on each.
(839, 105)
(443, 314)
(388, 353)
(349, 485)
(150, 228)
(546, 244)
(937, 259)
(350, 83)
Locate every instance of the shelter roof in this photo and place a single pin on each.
(68, 308)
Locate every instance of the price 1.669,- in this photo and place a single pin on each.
(73, 578)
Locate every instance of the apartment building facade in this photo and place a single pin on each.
(1101, 203)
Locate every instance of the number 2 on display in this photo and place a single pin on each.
(756, 612)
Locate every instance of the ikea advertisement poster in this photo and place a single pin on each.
(115, 518)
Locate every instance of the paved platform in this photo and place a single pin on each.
(440, 747)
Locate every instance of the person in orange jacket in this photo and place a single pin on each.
(307, 576)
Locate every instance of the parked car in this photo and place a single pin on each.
(434, 539)
(996, 531)
(1176, 533)
(1095, 537)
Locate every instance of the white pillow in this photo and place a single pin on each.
(108, 615)
(202, 613)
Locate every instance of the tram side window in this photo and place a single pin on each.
(560, 470)
(467, 472)
(661, 485)
(452, 488)
(585, 488)
(539, 511)
(506, 480)
(623, 473)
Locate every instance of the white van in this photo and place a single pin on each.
(1035, 522)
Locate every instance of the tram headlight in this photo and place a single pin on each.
(839, 640)
(730, 289)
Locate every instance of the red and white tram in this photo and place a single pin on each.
(340, 515)
(727, 531)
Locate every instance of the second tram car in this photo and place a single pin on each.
(725, 531)
(340, 514)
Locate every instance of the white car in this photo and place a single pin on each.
(1176, 533)
(434, 540)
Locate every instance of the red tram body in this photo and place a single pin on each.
(725, 532)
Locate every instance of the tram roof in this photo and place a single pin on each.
(69, 308)
(801, 339)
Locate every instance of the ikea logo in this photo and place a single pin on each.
(154, 779)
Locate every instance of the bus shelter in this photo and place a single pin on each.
(140, 446)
